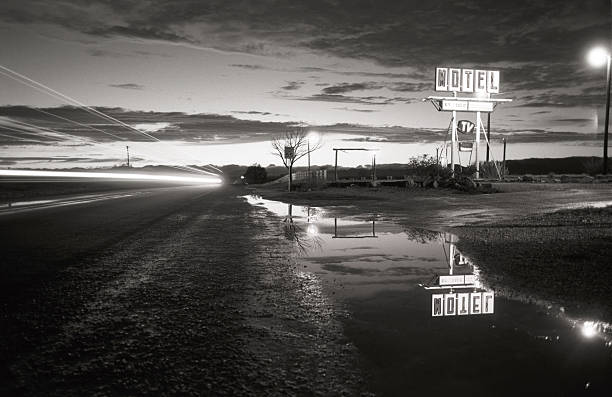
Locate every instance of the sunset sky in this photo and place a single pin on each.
(216, 80)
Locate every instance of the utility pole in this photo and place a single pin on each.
(309, 174)
(605, 148)
(336, 167)
(374, 169)
(127, 149)
(488, 134)
(504, 161)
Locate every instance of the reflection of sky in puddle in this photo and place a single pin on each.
(360, 258)
(363, 255)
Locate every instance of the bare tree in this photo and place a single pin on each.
(292, 146)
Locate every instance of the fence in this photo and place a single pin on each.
(316, 177)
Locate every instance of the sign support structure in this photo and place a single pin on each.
(480, 84)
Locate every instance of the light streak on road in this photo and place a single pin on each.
(113, 175)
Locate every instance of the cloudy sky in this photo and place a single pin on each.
(215, 80)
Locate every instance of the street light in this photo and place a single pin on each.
(598, 57)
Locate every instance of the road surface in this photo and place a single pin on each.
(174, 291)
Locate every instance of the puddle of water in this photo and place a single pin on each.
(395, 282)
(367, 255)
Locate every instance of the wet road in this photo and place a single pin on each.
(181, 291)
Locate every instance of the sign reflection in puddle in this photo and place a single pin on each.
(363, 258)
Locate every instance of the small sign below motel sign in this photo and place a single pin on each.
(450, 105)
(467, 80)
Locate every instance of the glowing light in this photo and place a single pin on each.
(312, 229)
(598, 57)
(313, 136)
(589, 329)
(113, 175)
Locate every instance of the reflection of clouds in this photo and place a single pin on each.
(422, 236)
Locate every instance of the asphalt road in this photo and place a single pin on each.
(175, 291)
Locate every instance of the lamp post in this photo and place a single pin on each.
(598, 57)
(312, 135)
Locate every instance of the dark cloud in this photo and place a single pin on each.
(292, 85)
(348, 87)
(252, 112)
(247, 66)
(369, 100)
(559, 100)
(575, 121)
(203, 128)
(357, 110)
(127, 86)
(371, 85)
(391, 32)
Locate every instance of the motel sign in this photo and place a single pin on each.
(462, 304)
(467, 80)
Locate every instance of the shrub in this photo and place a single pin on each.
(488, 170)
(255, 174)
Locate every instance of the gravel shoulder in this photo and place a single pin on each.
(204, 298)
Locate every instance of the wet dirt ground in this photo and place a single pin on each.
(185, 291)
(205, 291)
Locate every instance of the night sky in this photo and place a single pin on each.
(216, 80)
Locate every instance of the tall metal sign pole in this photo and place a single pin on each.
(605, 148)
(476, 87)
(488, 135)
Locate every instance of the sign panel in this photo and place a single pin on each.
(475, 303)
(467, 80)
(450, 304)
(289, 153)
(465, 127)
(437, 305)
(488, 302)
(462, 304)
(441, 79)
(493, 81)
(450, 105)
(480, 106)
(454, 79)
(452, 280)
(470, 279)
(480, 81)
